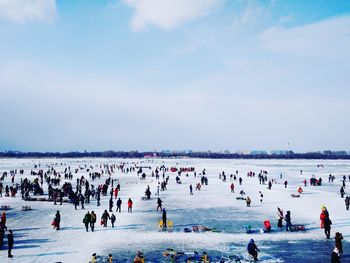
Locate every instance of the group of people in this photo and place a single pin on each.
(81, 197)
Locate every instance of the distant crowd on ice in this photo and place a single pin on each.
(48, 184)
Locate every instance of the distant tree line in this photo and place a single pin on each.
(209, 155)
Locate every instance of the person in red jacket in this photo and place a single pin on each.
(129, 206)
(232, 188)
(323, 215)
(116, 193)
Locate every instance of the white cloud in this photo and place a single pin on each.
(168, 13)
(21, 11)
(326, 39)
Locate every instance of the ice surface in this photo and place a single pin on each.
(213, 206)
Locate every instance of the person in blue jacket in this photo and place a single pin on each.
(253, 249)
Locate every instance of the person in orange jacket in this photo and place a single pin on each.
(130, 206)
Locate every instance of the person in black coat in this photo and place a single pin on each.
(335, 256)
(159, 204)
(119, 205)
(57, 220)
(10, 243)
(327, 227)
(253, 249)
(288, 221)
(111, 204)
(164, 218)
(87, 220)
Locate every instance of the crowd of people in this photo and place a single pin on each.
(85, 192)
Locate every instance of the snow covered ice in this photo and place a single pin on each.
(214, 206)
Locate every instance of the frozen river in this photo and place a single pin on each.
(214, 206)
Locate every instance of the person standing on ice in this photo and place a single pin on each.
(10, 243)
(119, 205)
(338, 242)
(57, 220)
(342, 192)
(164, 218)
(240, 180)
(253, 249)
(232, 188)
(327, 227)
(347, 202)
(159, 204)
(270, 185)
(93, 221)
(280, 217)
(285, 184)
(248, 201)
(288, 221)
(130, 205)
(82, 201)
(76, 201)
(191, 189)
(324, 214)
(87, 220)
(98, 196)
(110, 205)
(113, 218)
(104, 218)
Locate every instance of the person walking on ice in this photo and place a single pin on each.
(57, 220)
(280, 217)
(119, 205)
(347, 202)
(327, 227)
(87, 220)
(10, 243)
(159, 204)
(253, 250)
(93, 221)
(113, 219)
(130, 205)
(164, 218)
(111, 204)
(104, 218)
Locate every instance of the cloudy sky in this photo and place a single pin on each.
(174, 74)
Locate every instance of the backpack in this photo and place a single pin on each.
(93, 218)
